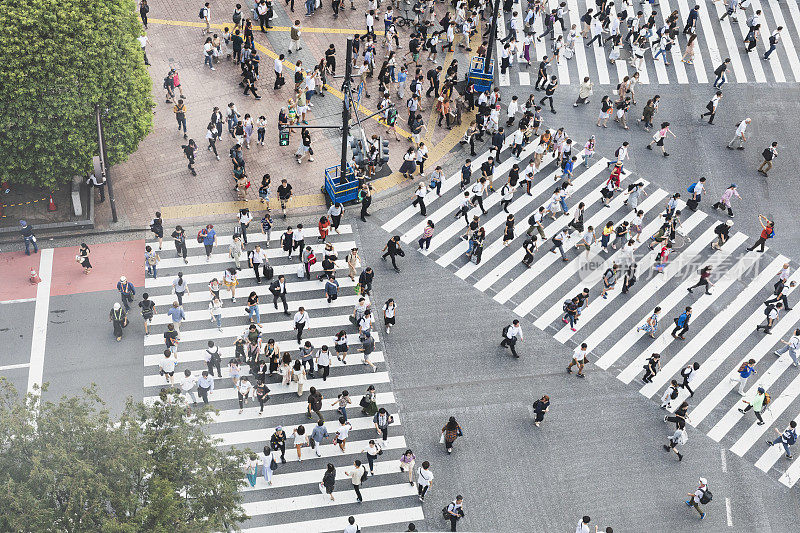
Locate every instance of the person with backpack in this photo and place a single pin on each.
(680, 437)
(609, 280)
(758, 404)
(769, 154)
(746, 370)
(700, 496)
(711, 107)
(511, 334)
(357, 476)
(454, 511)
(720, 71)
(786, 439)
(670, 394)
(779, 294)
(767, 232)
(205, 16)
(772, 311)
(773, 42)
(705, 273)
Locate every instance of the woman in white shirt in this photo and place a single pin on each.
(300, 440)
(372, 450)
(215, 307)
(269, 458)
(389, 312)
(343, 432)
(243, 390)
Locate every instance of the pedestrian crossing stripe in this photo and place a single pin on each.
(156, 380)
(688, 352)
(283, 345)
(716, 40)
(374, 519)
(287, 409)
(347, 496)
(246, 273)
(333, 382)
(309, 477)
(256, 237)
(699, 306)
(225, 258)
(531, 301)
(268, 328)
(551, 315)
(270, 510)
(743, 281)
(292, 288)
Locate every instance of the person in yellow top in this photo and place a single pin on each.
(180, 115)
(608, 229)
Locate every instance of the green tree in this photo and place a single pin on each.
(67, 466)
(58, 59)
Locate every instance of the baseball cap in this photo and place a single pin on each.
(703, 481)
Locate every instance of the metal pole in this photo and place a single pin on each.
(492, 37)
(104, 162)
(348, 71)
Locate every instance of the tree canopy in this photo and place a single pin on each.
(68, 466)
(58, 59)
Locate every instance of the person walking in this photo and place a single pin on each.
(680, 437)
(774, 38)
(720, 73)
(779, 294)
(126, 291)
(791, 346)
(670, 394)
(180, 288)
(651, 324)
(758, 404)
(208, 235)
(278, 442)
(746, 370)
(511, 334)
(179, 237)
(711, 107)
(785, 439)
(28, 237)
(705, 273)
(329, 481)
(424, 480)
(549, 91)
(682, 324)
(772, 313)
(454, 510)
(651, 368)
(450, 432)
(769, 154)
(419, 197)
(725, 201)
(301, 320)
(392, 250)
(382, 420)
(318, 435)
(365, 198)
(540, 407)
(659, 136)
(767, 232)
(119, 319)
(701, 495)
(688, 374)
(357, 476)
(579, 359)
(739, 136)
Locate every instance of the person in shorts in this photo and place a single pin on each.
(284, 193)
(148, 310)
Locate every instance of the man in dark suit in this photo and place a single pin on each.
(278, 290)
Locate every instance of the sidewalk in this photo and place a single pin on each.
(156, 178)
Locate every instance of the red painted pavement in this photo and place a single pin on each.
(109, 262)
(15, 268)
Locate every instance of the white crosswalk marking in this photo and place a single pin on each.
(547, 318)
(679, 360)
(589, 281)
(293, 502)
(708, 55)
(699, 66)
(743, 280)
(786, 37)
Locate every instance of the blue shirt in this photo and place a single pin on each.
(747, 371)
(402, 77)
(682, 320)
(568, 167)
(209, 238)
(466, 172)
(176, 313)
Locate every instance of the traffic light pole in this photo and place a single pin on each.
(104, 162)
(492, 37)
(348, 73)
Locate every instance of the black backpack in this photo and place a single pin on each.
(768, 309)
(706, 497)
(202, 14)
(505, 331)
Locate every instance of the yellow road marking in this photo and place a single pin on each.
(188, 24)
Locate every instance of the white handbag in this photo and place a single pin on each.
(301, 271)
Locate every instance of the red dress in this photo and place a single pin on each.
(324, 227)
